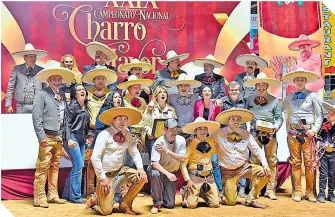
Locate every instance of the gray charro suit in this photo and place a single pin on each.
(25, 85)
(46, 115)
(162, 76)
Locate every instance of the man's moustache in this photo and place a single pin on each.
(249, 67)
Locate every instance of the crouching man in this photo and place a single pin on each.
(107, 160)
(197, 169)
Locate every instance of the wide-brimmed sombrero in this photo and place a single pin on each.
(210, 60)
(110, 75)
(244, 58)
(30, 49)
(327, 106)
(52, 67)
(135, 63)
(300, 72)
(172, 55)
(134, 116)
(262, 78)
(94, 46)
(201, 122)
(184, 79)
(246, 115)
(303, 39)
(132, 80)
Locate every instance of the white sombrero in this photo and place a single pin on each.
(135, 63)
(300, 72)
(93, 47)
(132, 80)
(30, 49)
(327, 106)
(201, 122)
(210, 60)
(134, 116)
(184, 79)
(244, 58)
(171, 55)
(52, 67)
(246, 115)
(110, 75)
(262, 78)
(303, 39)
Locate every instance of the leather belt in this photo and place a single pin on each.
(329, 149)
(83, 132)
(198, 173)
(301, 127)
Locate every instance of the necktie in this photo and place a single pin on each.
(299, 95)
(234, 137)
(174, 74)
(184, 100)
(100, 66)
(260, 101)
(209, 80)
(248, 77)
(30, 71)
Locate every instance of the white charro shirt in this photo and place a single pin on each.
(233, 155)
(108, 155)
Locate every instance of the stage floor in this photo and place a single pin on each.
(282, 207)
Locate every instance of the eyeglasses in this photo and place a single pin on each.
(234, 137)
(260, 101)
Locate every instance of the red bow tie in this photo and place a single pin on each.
(326, 126)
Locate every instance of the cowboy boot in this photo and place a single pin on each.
(310, 185)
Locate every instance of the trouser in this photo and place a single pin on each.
(126, 175)
(230, 178)
(296, 152)
(47, 166)
(90, 179)
(216, 172)
(271, 157)
(191, 196)
(22, 108)
(72, 189)
(163, 191)
(327, 172)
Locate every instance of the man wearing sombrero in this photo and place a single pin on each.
(267, 122)
(209, 78)
(326, 145)
(304, 118)
(48, 119)
(233, 159)
(103, 55)
(136, 67)
(184, 101)
(23, 80)
(197, 168)
(251, 62)
(132, 99)
(308, 59)
(97, 94)
(107, 159)
(172, 70)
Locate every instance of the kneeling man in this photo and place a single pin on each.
(107, 160)
(233, 160)
(197, 169)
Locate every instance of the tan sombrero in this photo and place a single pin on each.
(300, 72)
(110, 75)
(303, 39)
(327, 106)
(172, 55)
(246, 115)
(262, 78)
(52, 67)
(201, 122)
(135, 63)
(210, 60)
(132, 80)
(93, 47)
(184, 79)
(244, 58)
(30, 49)
(134, 116)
